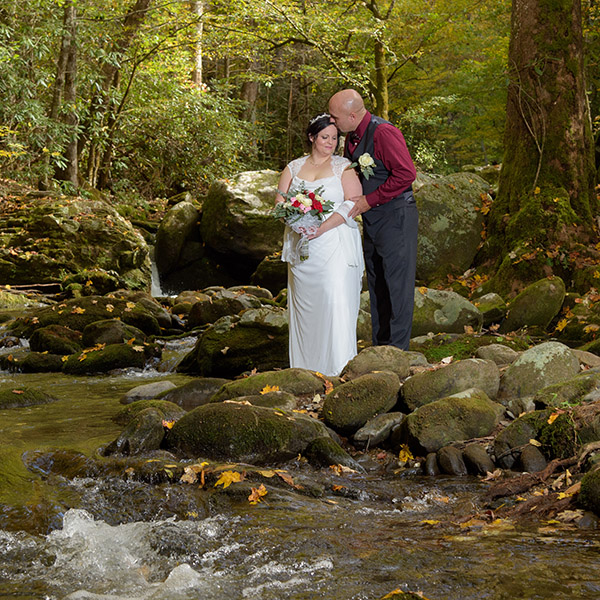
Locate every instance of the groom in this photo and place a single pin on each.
(389, 213)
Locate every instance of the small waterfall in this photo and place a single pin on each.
(155, 290)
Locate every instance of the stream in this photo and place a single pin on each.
(95, 538)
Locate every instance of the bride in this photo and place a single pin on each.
(324, 290)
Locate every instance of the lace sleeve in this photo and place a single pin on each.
(339, 165)
(296, 165)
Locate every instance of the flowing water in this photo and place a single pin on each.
(108, 538)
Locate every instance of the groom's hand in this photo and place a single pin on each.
(360, 206)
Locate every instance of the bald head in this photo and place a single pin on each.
(348, 109)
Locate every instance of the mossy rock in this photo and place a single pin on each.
(111, 331)
(103, 360)
(145, 432)
(243, 433)
(168, 410)
(326, 452)
(536, 305)
(56, 339)
(219, 305)
(77, 313)
(39, 362)
(257, 339)
(493, 308)
(194, 393)
(282, 400)
(378, 358)
(581, 388)
(427, 386)
(20, 396)
(350, 405)
(589, 495)
(462, 416)
(271, 273)
(298, 382)
(441, 311)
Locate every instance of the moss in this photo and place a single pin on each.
(559, 439)
(113, 356)
(167, 409)
(589, 495)
(16, 397)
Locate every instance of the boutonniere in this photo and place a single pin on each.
(366, 164)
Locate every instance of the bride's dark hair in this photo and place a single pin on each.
(317, 124)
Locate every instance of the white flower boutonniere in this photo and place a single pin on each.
(366, 164)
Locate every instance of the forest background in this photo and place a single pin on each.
(147, 99)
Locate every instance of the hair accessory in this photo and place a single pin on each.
(318, 117)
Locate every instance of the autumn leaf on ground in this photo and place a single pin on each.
(561, 324)
(494, 475)
(535, 442)
(554, 416)
(168, 424)
(229, 477)
(18, 391)
(423, 290)
(288, 479)
(341, 469)
(469, 330)
(138, 348)
(429, 522)
(257, 494)
(405, 454)
(109, 308)
(224, 350)
(77, 310)
(269, 388)
(337, 488)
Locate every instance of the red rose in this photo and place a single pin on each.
(311, 195)
(316, 204)
(295, 203)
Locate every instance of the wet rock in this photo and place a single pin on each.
(536, 305)
(220, 304)
(441, 311)
(298, 382)
(450, 224)
(37, 362)
(459, 417)
(145, 302)
(492, 307)
(431, 465)
(108, 358)
(477, 460)
(12, 396)
(147, 391)
(499, 353)
(462, 375)
(257, 339)
(510, 441)
(168, 410)
(531, 460)
(324, 452)
(451, 461)
(144, 433)
(589, 495)
(194, 393)
(243, 433)
(349, 406)
(283, 400)
(56, 339)
(584, 387)
(184, 301)
(536, 368)
(236, 219)
(271, 273)
(252, 290)
(378, 358)
(587, 359)
(110, 331)
(377, 430)
(175, 228)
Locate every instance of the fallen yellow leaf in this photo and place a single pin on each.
(229, 477)
(269, 388)
(257, 494)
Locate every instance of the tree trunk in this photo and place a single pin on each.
(546, 192)
(380, 91)
(198, 10)
(70, 118)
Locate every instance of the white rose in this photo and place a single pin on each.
(365, 160)
(304, 199)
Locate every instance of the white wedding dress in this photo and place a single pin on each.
(324, 290)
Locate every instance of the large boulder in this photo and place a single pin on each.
(175, 228)
(442, 311)
(537, 368)
(450, 224)
(45, 239)
(194, 393)
(235, 215)
(12, 396)
(243, 433)
(256, 339)
(468, 414)
(349, 406)
(536, 305)
(427, 386)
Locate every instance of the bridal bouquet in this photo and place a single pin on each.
(303, 212)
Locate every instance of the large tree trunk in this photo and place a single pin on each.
(380, 91)
(546, 193)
